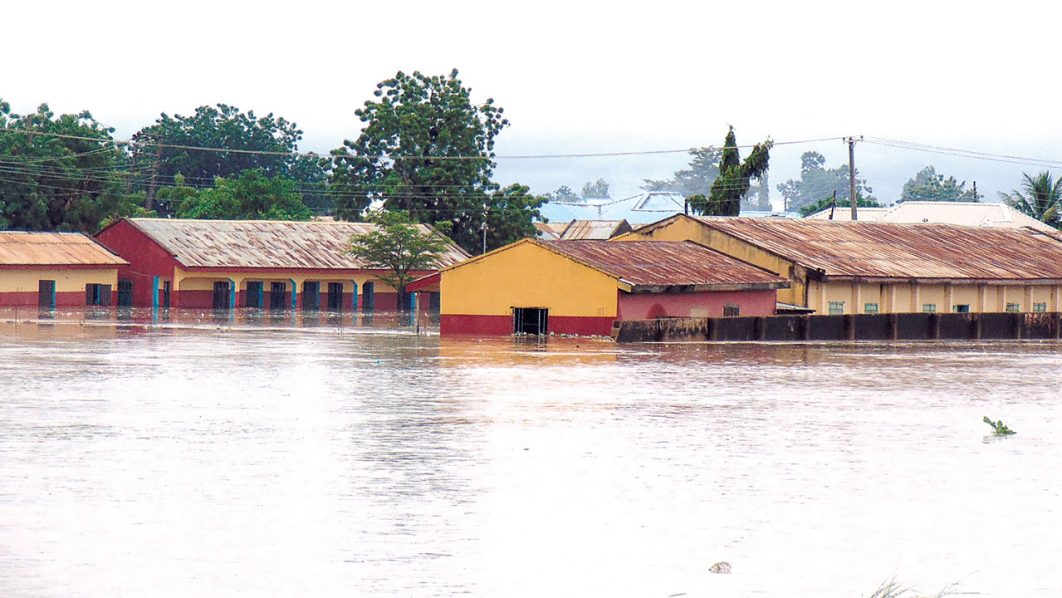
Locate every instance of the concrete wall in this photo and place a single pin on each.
(19, 287)
(913, 298)
(884, 327)
(707, 304)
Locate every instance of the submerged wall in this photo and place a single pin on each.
(864, 327)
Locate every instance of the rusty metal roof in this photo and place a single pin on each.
(267, 244)
(667, 263)
(53, 249)
(870, 250)
(594, 229)
(550, 231)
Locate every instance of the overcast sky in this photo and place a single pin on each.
(576, 77)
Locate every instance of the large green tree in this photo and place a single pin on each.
(843, 202)
(698, 176)
(60, 172)
(734, 180)
(428, 150)
(234, 141)
(398, 246)
(927, 185)
(1040, 198)
(250, 196)
(817, 183)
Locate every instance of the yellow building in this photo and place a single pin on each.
(55, 270)
(582, 287)
(874, 267)
(251, 263)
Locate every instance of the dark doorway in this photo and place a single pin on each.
(125, 293)
(335, 296)
(311, 295)
(433, 302)
(98, 294)
(46, 294)
(253, 297)
(530, 320)
(221, 295)
(368, 296)
(165, 294)
(276, 295)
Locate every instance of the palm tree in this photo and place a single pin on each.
(1042, 198)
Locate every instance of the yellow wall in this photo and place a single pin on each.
(688, 229)
(526, 275)
(204, 281)
(911, 298)
(66, 281)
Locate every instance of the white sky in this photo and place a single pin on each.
(580, 77)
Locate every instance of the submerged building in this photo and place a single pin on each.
(56, 270)
(877, 267)
(582, 287)
(250, 263)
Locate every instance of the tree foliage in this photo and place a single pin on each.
(824, 203)
(1041, 199)
(595, 189)
(250, 196)
(48, 182)
(734, 180)
(428, 150)
(927, 185)
(265, 143)
(698, 176)
(398, 246)
(818, 183)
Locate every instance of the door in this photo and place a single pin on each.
(46, 294)
(253, 296)
(530, 320)
(165, 294)
(125, 293)
(276, 295)
(368, 292)
(311, 295)
(335, 296)
(221, 295)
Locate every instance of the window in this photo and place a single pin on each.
(1014, 307)
(870, 308)
(929, 308)
(731, 311)
(98, 294)
(1039, 307)
(962, 308)
(836, 308)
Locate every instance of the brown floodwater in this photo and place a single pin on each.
(333, 456)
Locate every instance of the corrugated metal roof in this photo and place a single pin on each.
(550, 231)
(907, 251)
(53, 249)
(961, 213)
(666, 263)
(844, 214)
(267, 244)
(594, 229)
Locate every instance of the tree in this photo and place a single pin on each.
(397, 245)
(563, 194)
(596, 190)
(428, 150)
(927, 185)
(733, 182)
(1041, 200)
(60, 172)
(817, 183)
(250, 196)
(826, 202)
(697, 179)
(267, 143)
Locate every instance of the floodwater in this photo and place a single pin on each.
(256, 456)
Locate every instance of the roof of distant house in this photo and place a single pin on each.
(53, 249)
(267, 244)
(943, 212)
(650, 264)
(879, 250)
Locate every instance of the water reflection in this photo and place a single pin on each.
(286, 453)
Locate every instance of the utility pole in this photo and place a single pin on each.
(852, 176)
(483, 228)
(149, 203)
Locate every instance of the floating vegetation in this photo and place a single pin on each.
(1000, 428)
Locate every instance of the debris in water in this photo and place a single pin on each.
(720, 567)
(1000, 428)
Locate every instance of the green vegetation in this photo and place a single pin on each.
(1041, 200)
(250, 196)
(999, 427)
(734, 180)
(701, 172)
(927, 185)
(428, 150)
(399, 246)
(818, 182)
(825, 203)
(597, 189)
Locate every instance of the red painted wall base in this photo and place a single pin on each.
(455, 324)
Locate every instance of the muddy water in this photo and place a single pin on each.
(256, 457)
